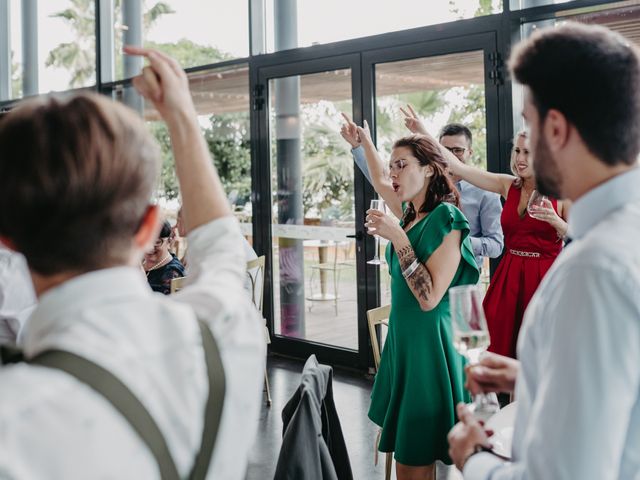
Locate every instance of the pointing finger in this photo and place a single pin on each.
(346, 117)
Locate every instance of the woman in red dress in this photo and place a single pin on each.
(531, 243)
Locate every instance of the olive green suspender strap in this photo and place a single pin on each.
(113, 390)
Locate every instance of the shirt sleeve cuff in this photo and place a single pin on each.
(476, 244)
(481, 466)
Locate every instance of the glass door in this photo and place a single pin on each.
(315, 221)
(310, 197)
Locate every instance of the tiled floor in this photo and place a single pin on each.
(351, 395)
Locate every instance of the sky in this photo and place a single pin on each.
(224, 24)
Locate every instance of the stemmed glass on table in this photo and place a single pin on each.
(471, 339)
(377, 204)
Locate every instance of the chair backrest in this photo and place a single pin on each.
(377, 316)
(255, 274)
(177, 284)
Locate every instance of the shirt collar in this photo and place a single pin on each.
(56, 307)
(597, 203)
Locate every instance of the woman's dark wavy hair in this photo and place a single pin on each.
(441, 188)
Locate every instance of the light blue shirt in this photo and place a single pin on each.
(482, 209)
(578, 390)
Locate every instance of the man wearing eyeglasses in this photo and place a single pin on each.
(482, 208)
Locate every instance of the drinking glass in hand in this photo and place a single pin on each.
(536, 200)
(377, 204)
(471, 339)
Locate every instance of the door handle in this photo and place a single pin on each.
(358, 235)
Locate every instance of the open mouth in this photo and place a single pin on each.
(395, 186)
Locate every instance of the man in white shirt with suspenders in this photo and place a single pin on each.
(117, 381)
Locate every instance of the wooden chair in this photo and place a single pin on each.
(177, 284)
(375, 317)
(255, 274)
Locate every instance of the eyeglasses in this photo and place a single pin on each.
(397, 166)
(158, 243)
(457, 151)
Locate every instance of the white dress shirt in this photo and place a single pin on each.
(578, 390)
(52, 426)
(17, 298)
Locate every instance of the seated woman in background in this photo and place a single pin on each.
(160, 265)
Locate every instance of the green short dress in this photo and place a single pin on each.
(421, 376)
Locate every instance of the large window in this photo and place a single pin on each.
(335, 20)
(195, 32)
(52, 46)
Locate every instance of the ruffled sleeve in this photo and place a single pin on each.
(430, 235)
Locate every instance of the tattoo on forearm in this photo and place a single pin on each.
(420, 281)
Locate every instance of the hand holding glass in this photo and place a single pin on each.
(377, 204)
(471, 339)
(536, 200)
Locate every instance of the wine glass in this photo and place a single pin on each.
(376, 204)
(471, 339)
(536, 200)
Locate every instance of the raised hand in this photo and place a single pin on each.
(412, 121)
(383, 225)
(545, 213)
(163, 82)
(349, 131)
(365, 135)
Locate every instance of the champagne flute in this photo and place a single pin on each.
(471, 339)
(536, 200)
(377, 204)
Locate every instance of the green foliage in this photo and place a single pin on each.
(189, 53)
(390, 120)
(471, 112)
(228, 140)
(485, 7)
(227, 136)
(16, 79)
(327, 166)
(79, 56)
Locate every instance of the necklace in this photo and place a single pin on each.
(159, 264)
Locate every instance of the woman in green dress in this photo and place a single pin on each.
(421, 376)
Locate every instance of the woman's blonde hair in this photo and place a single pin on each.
(512, 163)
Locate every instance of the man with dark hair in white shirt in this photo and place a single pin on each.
(80, 180)
(578, 380)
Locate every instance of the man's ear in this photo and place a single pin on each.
(555, 130)
(149, 228)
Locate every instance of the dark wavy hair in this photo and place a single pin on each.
(441, 188)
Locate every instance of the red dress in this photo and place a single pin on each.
(530, 248)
